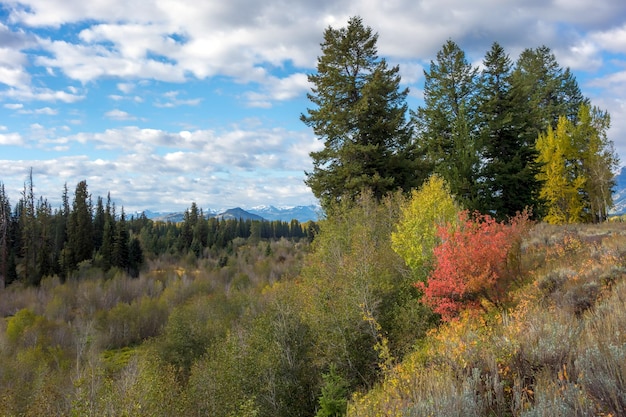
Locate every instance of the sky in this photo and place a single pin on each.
(167, 102)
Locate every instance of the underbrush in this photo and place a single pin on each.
(559, 350)
(109, 344)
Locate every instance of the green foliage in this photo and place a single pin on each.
(80, 227)
(508, 176)
(445, 122)
(360, 115)
(415, 235)
(19, 323)
(333, 400)
(351, 277)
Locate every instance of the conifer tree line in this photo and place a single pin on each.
(37, 240)
(505, 136)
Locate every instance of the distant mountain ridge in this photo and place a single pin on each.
(302, 214)
(238, 213)
(619, 195)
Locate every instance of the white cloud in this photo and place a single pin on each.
(279, 89)
(126, 88)
(172, 100)
(117, 114)
(13, 106)
(40, 94)
(41, 111)
(11, 139)
(157, 168)
(613, 39)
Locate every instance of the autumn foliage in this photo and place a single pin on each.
(474, 263)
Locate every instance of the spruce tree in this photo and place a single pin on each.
(98, 224)
(509, 168)
(5, 221)
(550, 91)
(27, 265)
(121, 252)
(445, 124)
(360, 114)
(80, 227)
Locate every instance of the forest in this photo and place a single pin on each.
(465, 264)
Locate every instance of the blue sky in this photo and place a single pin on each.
(165, 102)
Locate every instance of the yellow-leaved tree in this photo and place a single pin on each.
(599, 161)
(560, 174)
(415, 235)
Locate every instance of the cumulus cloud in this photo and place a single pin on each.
(171, 99)
(11, 139)
(41, 111)
(167, 169)
(117, 114)
(41, 94)
(165, 61)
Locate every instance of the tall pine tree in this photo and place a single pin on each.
(5, 222)
(550, 90)
(509, 168)
(360, 114)
(80, 227)
(445, 124)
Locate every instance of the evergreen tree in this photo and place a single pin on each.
(333, 401)
(509, 168)
(200, 234)
(550, 91)
(60, 232)
(360, 114)
(98, 224)
(27, 265)
(445, 124)
(135, 257)
(120, 256)
(80, 227)
(5, 222)
(108, 235)
(186, 236)
(45, 252)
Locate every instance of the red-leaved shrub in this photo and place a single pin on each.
(473, 263)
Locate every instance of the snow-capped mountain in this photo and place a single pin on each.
(301, 213)
(238, 213)
(619, 196)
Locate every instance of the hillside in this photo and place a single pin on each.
(282, 327)
(557, 350)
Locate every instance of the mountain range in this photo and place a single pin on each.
(619, 195)
(270, 213)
